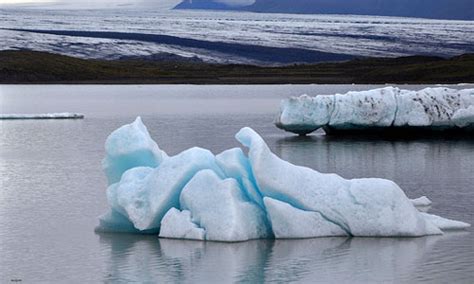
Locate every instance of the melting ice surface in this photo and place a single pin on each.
(236, 197)
(59, 115)
(436, 109)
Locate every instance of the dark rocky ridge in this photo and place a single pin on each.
(22, 66)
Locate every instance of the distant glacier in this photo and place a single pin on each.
(230, 37)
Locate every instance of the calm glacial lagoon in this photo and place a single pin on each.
(52, 190)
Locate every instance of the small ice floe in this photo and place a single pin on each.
(421, 201)
(60, 115)
(387, 109)
(235, 196)
(423, 204)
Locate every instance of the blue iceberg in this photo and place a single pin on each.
(219, 209)
(128, 147)
(236, 197)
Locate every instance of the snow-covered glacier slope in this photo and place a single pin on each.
(430, 109)
(218, 36)
(236, 197)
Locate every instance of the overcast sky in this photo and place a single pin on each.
(110, 3)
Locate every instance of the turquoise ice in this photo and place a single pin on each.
(128, 147)
(236, 197)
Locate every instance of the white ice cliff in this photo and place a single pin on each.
(234, 197)
(432, 109)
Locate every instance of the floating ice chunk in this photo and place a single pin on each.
(178, 225)
(232, 197)
(421, 201)
(430, 109)
(289, 222)
(59, 115)
(305, 114)
(361, 207)
(444, 223)
(146, 200)
(464, 117)
(220, 207)
(128, 147)
(236, 165)
(360, 109)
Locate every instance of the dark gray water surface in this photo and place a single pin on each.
(52, 190)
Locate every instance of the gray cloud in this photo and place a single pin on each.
(164, 4)
(93, 3)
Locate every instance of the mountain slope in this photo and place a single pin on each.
(203, 4)
(39, 67)
(434, 9)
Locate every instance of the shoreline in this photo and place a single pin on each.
(33, 67)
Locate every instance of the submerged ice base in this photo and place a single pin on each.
(236, 197)
(387, 109)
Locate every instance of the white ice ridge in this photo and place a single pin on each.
(236, 197)
(59, 115)
(432, 109)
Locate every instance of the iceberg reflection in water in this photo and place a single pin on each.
(401, 160)
(146, 258)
